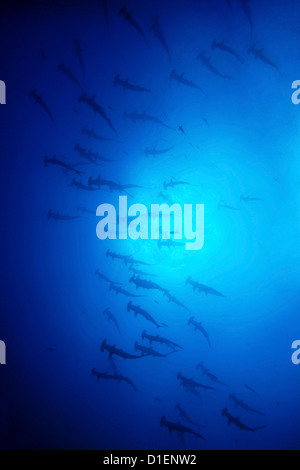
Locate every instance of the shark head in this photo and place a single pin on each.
(122, 10)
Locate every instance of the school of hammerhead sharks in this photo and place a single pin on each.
(139, 280)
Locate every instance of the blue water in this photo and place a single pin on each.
(242, 138)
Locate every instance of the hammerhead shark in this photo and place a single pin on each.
(177, 427)
(92, 135)
(249, 199)
(160, 340)
(154, 152)
(139, 311)
(198, 327)
(126, 85)
(55, 161)
(78, 52)
(149, 351)
(144, 284)
(118, 377)
(113, 256)
(183, 414)
(91, 102)
(239, 403)
(223, 47)
(259, 54)
(105, 278)
(169, 243)
(67, 71)
(99, 183)
(95, 156)
(175, 301)
(208, 374)
(144, 117)
(191, 382)
(112, 318)
(237, 422)
(39, 100)
(133, 261)
(114, 351)
(127, 17)
(206, 62)
(202, 288)
(80, 185)
(180, 79)
(120, 290)
(139, 272)
(85, 154)
(173, 184)
(56, 216)
(224, 205)
(157, 31)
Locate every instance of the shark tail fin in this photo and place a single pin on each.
(45, 161)
(258, 428)
(129, 306)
